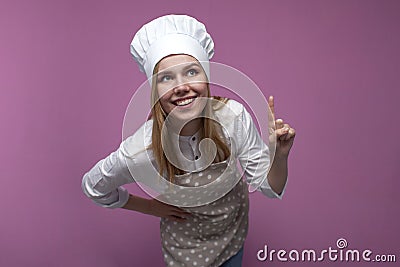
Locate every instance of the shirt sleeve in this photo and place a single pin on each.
(254, 156)
(103, 183)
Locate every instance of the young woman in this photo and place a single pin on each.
(203, 200)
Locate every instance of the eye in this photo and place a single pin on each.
(192, 72)
(165, 78)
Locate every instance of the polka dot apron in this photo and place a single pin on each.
(214, 233)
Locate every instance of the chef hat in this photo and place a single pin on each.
(171, 34)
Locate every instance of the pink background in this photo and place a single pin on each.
(66, 78)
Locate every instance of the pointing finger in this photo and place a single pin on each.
(271, 105)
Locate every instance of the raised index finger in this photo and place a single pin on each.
(271, 105)
(271, 115)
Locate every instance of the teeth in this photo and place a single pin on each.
(184, 102)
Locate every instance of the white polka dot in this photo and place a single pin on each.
(186, 233)
(196, 184)
(179, 253)
(200, 174)
(187, 259)
(216, 243)
(188, 224)
(200, 256)
(212, 251)
(172, 248)
(194, 263)
(225, 239)
(187, 181)
(174, 234)
(209, 176)
(207, 259)
(192, 251)
(171, 263)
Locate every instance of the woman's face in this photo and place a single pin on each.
(180, 82)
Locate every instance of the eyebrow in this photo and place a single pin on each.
(164, 72)
(191, 65)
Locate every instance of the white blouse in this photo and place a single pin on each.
(216, 231)
(103, 183)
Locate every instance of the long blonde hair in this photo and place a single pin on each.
(210, 129)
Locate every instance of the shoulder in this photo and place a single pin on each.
(229, 110)
(138, 142)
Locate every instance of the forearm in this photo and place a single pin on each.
(156, 208)
(278, 173)
(139, 204)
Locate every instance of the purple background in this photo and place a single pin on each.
(66, 78)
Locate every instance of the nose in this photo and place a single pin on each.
(181, 87)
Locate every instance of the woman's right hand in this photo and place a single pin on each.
(160, 209)
(156, 208)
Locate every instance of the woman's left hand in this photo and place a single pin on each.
(284, 133)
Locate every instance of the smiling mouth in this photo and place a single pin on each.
(184, 102)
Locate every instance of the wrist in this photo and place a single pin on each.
(281, 156)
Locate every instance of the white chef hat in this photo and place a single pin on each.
(168, 35)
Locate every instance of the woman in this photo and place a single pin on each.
(203, 200)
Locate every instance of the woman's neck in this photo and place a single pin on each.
(191, 127)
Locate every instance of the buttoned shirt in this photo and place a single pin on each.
(219, 226)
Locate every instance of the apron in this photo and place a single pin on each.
(215, 231)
